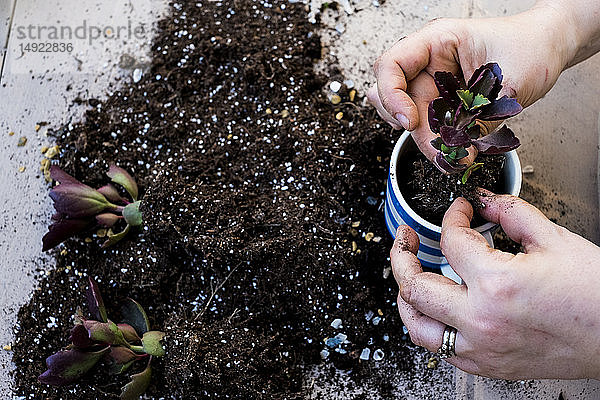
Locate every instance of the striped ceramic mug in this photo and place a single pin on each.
(398, 212)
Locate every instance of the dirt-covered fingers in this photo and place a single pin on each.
(466, 250)
(431, 294)
(428, 333)
(463, 363)
(423, 330)
(373, 97)
(403, 254)
(394, 69)
(437, 297)
(431, 48)
(427, 302)
(406, 239)
(521, 221)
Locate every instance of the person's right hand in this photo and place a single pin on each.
(524, 316)
(530, 48)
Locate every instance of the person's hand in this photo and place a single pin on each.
(531, 49)
(531, 315)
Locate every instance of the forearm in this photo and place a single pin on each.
(580, 22)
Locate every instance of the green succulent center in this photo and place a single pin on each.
(472, 101)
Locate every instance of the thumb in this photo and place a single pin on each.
(394, 69)
(521, 221)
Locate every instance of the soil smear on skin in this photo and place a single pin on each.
(429, 192)
(262, 213)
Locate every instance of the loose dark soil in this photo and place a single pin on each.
(250, 187)
(504, 243)
(429, 193)
(256, 200)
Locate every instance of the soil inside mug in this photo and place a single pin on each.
(429, 192)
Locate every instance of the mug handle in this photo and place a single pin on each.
(489, 237)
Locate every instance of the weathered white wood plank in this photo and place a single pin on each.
(41, 87)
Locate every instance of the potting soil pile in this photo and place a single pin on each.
(262, 216)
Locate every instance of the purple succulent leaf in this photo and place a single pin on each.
(61, 176)
(120, 359)
(476, 75)
(111, 193)
(502, 108)
(437, 114)
(464, 118)
(129, 333)
(121, 355)
(116, 237)
(63, 229)
(444, 165)
(484, 84)
(66, 366)
(122, 177)
(453, 137)
(495, 68)
(499, 141)
(104, 332)
(447, 84)
(77, 200)
(138, 385)
(95, 302)
(133, 314)
(107, 220)
(434, 120)
(80, 337)
(151, 341)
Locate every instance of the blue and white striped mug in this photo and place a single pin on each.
(398, 212)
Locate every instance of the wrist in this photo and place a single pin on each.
(577, 22)
(555, 26)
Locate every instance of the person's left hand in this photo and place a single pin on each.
(530, 315)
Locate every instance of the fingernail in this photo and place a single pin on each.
(400, 228)
(401, 118)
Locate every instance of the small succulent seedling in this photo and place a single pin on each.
(79, 207)
(98, 338)
(453, 116)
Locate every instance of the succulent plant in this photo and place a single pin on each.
(80, 207)
(98, 338)
(453, 116)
